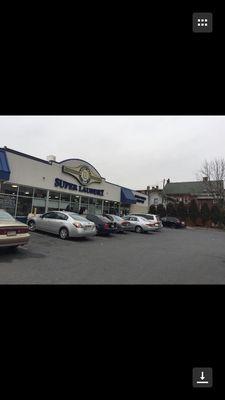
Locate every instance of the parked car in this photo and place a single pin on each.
(12, 233)
(139, 224)
(173, 222)
(121, 224)
(103, 225)
(154, 220)
(63, 223)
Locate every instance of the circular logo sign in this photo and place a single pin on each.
(85, 175)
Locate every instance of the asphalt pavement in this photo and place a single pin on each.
(172, 256)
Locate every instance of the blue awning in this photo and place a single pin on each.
(127, 196)
(4, 166)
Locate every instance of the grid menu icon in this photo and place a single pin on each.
(202, 22)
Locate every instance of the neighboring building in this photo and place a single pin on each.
(29, 183)
(155, 195)
(141, 205)
(187, 191)
(132, 201)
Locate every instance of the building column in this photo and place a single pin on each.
(47, 199)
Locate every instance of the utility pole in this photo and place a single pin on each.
(163, 193)
(148, 192)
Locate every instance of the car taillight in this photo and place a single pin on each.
(3, 231)
(106, 226)
(22, 230)
(78, 225)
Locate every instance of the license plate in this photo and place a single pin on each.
(11, 233)
(87, 227)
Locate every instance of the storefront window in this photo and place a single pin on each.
(9, 188)
(116, 208)
(40, 193)
(92, 205)
(64, 201)
(8, 203)
(53, 203)
(25, 191)
(124, 210)
(98, 207)
(84, 203)
(24, 206)
(39, 201)
(75, 199)
(113, 207)
(74, 203)
(39, 204)
(106, 207)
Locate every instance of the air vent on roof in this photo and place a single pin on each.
(51, 157)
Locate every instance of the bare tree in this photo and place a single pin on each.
(213, 175)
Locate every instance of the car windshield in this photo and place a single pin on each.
(104, 219)
(76, 217)
(4, 216)
(148, 217)
(117, 218)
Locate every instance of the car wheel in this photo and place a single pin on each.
(31, 226)
(138, 229)
(63, 233)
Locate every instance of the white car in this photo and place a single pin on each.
(12, 233)
(63, 223)
(139, 224)
(153, 219)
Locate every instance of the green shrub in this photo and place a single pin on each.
(161, 210)
(152, 209)
(193, 211)
(205, 213)
(215, 215)
(182, 211)
(171, 210)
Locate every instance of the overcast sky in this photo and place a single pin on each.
(132, 151)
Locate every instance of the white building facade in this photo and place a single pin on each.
(29, 184)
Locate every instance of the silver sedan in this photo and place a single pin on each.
(139, 224)
(62, 223)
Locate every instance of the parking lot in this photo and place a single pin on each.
(172, 256)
